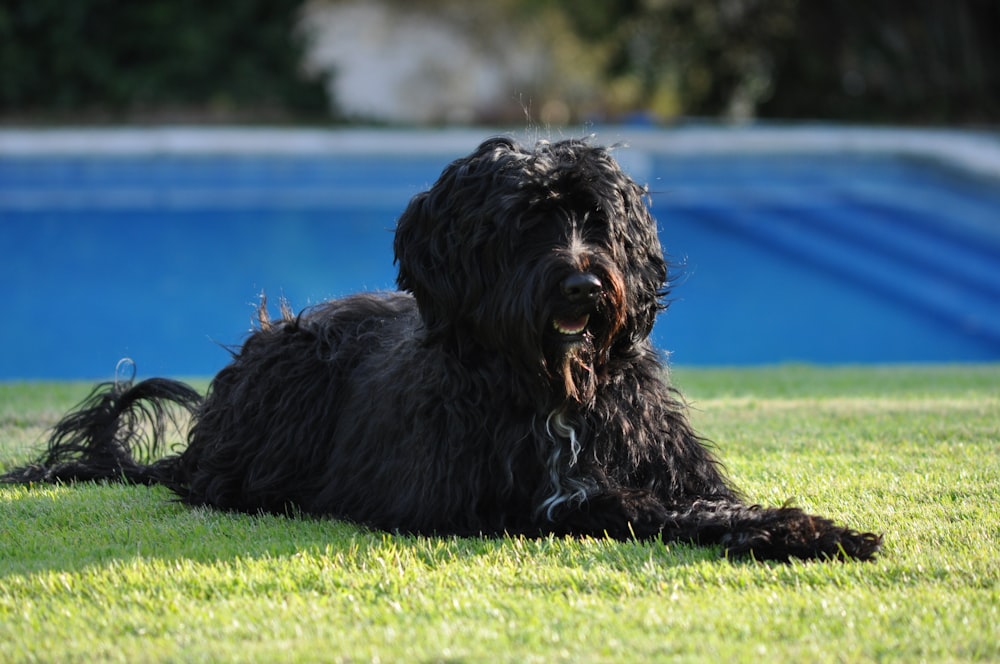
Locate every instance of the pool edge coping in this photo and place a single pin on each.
(974, 151)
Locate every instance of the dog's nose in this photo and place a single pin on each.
(581, 287)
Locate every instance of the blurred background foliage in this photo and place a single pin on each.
(108, 59)
(923, 61)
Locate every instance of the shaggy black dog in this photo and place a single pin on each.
(510, 388)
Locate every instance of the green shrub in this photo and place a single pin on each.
(109, 57)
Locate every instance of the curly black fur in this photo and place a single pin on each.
(511, 388)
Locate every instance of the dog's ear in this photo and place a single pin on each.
(634, 239)
(438, 234)
(646, 275)
(421, 262)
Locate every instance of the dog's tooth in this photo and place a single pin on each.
(575, 328)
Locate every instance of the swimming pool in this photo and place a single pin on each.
(818, 245)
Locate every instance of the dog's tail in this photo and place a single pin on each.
(115, 434)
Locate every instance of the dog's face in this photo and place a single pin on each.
(548, 256)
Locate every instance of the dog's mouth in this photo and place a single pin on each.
(570, 328)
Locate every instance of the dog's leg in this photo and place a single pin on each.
(762, 533)
(768, 533)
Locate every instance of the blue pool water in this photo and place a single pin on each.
(795, 256)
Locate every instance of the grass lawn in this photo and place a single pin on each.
(122, 573)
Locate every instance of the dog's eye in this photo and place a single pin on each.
(595, 231)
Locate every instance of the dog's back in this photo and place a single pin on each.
(265, 436)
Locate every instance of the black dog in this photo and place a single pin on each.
(513, 389)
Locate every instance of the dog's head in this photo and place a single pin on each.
(547, 255)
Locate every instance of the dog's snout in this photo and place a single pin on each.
(581, 287)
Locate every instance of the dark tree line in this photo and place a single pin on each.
(926, 61)
(109, 57)
(871, 60)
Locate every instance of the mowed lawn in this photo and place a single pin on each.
(92, 573)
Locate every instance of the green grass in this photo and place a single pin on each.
(124, 574)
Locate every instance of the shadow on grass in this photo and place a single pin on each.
(70, 528)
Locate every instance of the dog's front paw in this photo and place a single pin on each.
(851, 544)
(786, 533)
